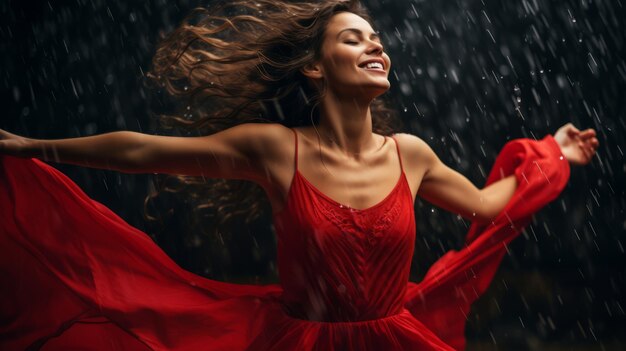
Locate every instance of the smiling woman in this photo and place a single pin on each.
(341, 187)
(351, 49)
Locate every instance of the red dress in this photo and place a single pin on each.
(73, 275)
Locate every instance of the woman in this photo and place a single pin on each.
(340, 189)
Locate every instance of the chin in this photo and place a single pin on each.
(376, 90)
(369, 89)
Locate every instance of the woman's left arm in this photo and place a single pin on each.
(448, 189)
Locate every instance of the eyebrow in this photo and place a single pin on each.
(358, 31)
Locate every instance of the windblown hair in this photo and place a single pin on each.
(241, 62)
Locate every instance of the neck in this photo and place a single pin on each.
(346, 125)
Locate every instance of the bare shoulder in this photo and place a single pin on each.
(262, 132)
(261, 139)
(261, 152)
(276, 139)
(413, 148)
(409, 140)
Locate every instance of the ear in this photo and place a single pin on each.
(313, 71)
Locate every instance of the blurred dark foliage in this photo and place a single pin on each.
(467, 77)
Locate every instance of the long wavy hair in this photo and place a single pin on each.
(240, 62)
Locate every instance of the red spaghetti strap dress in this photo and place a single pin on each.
(74, 276)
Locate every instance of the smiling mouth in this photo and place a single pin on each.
(375, 70)
(373, 66)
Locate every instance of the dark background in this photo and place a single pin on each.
(467, 76)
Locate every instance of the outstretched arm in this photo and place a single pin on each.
(448, 189)
(236, 153)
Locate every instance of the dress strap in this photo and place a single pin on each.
(398, 148)
(296, 152)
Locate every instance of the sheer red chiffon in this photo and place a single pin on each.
(73, 275)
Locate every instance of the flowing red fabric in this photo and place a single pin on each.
(74, 276)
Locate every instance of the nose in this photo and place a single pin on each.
(375, 48)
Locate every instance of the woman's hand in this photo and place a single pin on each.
(577, 146)
(14, 145)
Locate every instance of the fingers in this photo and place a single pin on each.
(584, 155)
(588, 147)
(587, 133)
(589, 139)
(6, 135)
(572, 131)
(592, 142)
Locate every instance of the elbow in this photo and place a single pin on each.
(490, 206)
(486, 212)
(132, 162)
(135, 157)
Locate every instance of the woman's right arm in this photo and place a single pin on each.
(236, 153)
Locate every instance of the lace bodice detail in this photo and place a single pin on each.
(360, 223)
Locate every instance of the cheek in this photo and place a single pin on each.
(388, 59)
(341, 60)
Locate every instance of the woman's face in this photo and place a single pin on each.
(352, 57)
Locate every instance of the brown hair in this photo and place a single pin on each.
(241, 62)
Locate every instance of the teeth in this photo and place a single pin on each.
(374, 65)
